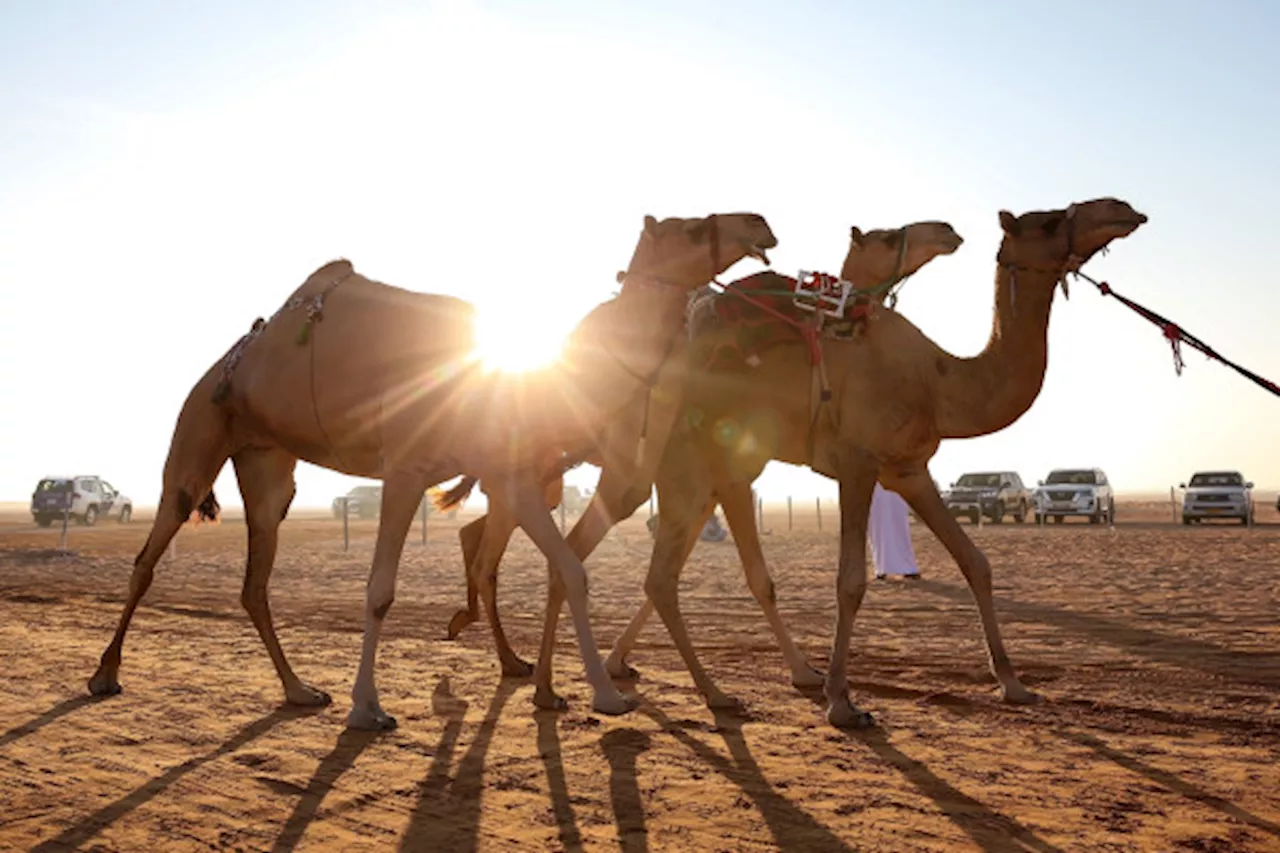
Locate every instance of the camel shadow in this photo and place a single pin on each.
(79, 833)
(447, 816)
(1255, 668)
(340, 759)
(549, 752)
(66, 706)
(792, 828)
(990, 830)
(1172, 782)
(622, 747)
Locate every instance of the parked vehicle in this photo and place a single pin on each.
(366, 502)
(82, 498)
(1076, 491)
(712, 529)
(992, 494)
(362, 502)
(1216, 494)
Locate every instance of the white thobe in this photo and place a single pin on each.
(889, 532)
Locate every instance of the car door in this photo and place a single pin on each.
(106, 499)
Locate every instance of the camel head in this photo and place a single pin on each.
(885, 256)
(1061, 241)
(689, 253)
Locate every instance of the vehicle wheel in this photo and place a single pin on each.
(44, 520)
(1111, 513)
(1021, 515)
(974, 517)
(1058, 519)
(126, 515)
(1039, 518)
(90, 516)
(1186, 520)
(997, 515)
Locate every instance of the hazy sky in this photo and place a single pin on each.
(169, 172)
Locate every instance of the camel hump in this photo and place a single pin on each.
(339, 268)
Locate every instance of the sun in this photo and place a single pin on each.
(512, 341)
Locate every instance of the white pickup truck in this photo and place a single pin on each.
(1217, 494)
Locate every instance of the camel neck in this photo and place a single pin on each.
(986, 393)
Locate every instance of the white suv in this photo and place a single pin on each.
(83, 498)
(1217, 494)
(1076, 491)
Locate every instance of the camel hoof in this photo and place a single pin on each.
(845, 716)
(517, 668)
(808, 679)
(307, 697)
(621, 669)
(104, 685)
(615, 704)
(1022, 696)
(722, 702)
(370, 720)
(460, 620)
(548, 700)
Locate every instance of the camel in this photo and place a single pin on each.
(376, 381)
(876, 262)
(899, 395)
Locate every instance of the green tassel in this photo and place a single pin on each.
(304, 334)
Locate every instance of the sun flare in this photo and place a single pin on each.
(510, 342)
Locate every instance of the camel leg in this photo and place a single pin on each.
(196, 454)
(617, 660)
(401, 493)
(470, 537)
(919, 491)
(169, 518)
(616, 498)
(740, 514)
(526, 501)
(484, 573)
(857, 481)
(679, 522)
(266, 483)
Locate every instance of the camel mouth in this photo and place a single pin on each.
(758, 252)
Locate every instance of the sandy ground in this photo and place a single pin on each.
(1157, 647)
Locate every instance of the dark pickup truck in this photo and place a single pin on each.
(993, 494)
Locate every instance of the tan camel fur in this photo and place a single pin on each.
(898, 396)
(875, 261)
(375, 381)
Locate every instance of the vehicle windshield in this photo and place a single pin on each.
(979, 480)
(1220, 478)
(364, 492)
(54, 486)
(1074, 478)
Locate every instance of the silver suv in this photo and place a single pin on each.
(1076, 491)
(83, 498)
(1217, 494)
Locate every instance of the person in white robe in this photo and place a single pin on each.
(889, 532)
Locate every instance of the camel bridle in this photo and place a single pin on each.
(1070, 264)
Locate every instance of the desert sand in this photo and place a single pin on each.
(1157, 648)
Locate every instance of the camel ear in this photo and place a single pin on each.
(855, 236)
(649, 224)
(1009, 223)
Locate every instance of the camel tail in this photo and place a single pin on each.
(445, 501)
(209, 508)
